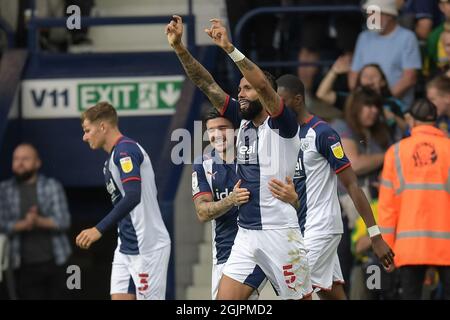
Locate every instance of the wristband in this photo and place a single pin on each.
(373, 231)
(236, 55)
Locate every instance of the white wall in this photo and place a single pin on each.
(149, 37)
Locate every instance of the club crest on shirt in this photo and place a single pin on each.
(304, 144)
(195, 188)
(126, 164)
(338, 152)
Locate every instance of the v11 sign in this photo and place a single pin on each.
(59, 98)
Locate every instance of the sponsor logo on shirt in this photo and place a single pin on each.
(110, 187)
(222, 195)
(244, 150)
(247, 152)
(298, 170)
(112, 190)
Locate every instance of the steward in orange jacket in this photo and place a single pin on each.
(414, 201)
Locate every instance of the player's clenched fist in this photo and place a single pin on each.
(87, 237)
(239, 195)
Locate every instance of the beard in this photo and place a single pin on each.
(24, 176)
(252, 110)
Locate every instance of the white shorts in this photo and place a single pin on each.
(142, 275)
(281, 255)
(324, 261)
(257, 280)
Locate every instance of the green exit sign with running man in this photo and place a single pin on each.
(142, 95)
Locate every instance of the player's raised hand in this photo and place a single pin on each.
(283, 191)
(342, 64)
(239, 195)
(219, 35)
(174, 31)
(87, 237)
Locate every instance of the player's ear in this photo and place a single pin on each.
(38, 163)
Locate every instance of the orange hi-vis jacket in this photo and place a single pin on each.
(414, 199)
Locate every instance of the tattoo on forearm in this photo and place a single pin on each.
(214, 209)
(195, 71)
(268, 98)
(201, 78)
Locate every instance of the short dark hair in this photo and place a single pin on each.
(423, 110)
(101, 111)
(292, 84)
(211, 113)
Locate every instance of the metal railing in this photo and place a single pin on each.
(35, 23)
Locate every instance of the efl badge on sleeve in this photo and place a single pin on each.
(126, 164)
(195, 188)
(338, 152)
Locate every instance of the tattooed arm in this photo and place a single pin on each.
(207, 209)
(195, 71)
(269, 98)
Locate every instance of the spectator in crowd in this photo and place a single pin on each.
(315, 35)
(438, 92)
(436, 55)
(364, 134)
(443, 60)
(394, 48)
(370, 76)
(421, 16)
(414, 202)
(34, 213)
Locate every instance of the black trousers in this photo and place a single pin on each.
(40, 281)
(412, 278)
